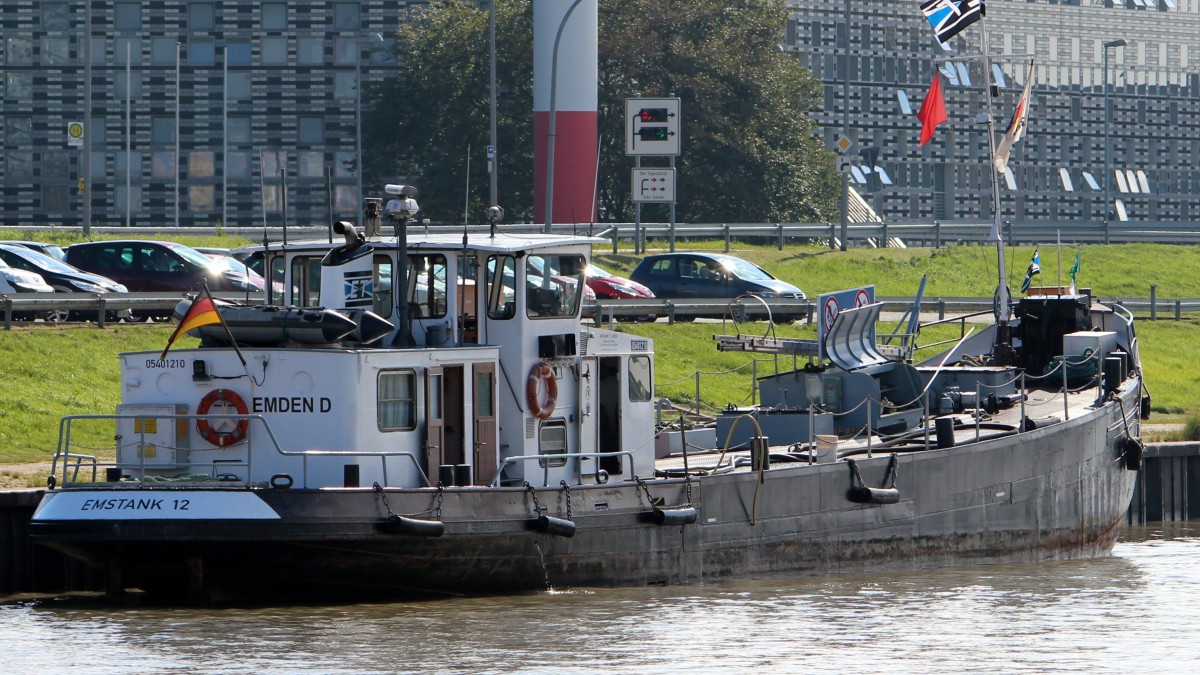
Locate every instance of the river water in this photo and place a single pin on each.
(1138, 611)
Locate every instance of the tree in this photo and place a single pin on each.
(750, 153)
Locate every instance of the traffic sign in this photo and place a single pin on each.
(843, 143)
(843, 163)
(654, 185)
(74, 134)
(652, 127)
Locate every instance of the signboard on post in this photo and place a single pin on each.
(74, 135)
(831, 304)
(654, 185)
(652, 127)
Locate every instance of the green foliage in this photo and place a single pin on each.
(751, 151)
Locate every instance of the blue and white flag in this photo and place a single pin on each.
(1035, 267)
(950, 17)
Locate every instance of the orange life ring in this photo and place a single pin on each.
(540, 372)
(222, 438)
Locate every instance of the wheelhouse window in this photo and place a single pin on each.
(275, 289)
(501, 285)
(553, 441)
(427, 286)
(641, 386)
(553, 285)
(396, 400)
(306, 281)
(381, 282)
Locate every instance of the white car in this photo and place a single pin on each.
(19, 281)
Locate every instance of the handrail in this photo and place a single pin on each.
(66, 423)
(560, 455)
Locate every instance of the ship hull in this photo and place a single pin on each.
(1058, 492)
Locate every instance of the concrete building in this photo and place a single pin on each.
(1057, 171)
(207, 108)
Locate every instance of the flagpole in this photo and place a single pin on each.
(1058, 239)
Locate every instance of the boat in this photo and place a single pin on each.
(475, 437)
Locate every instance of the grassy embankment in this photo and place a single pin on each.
(49, 371)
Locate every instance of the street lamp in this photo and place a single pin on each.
(1119, 42)
(374, 40)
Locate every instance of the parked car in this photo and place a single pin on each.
(711, 275)
(62, 278)
(230, 263)
(53, 250)
(14, 280)
(608, 286)
(157, 266)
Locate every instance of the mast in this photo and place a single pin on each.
(1003, 350)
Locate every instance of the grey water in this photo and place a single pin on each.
(1137, 611)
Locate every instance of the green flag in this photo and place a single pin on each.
(1074, 271)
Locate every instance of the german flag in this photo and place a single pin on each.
(202, 313)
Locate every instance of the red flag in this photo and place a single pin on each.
(933, 109)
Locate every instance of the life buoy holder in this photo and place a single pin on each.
(541, 372)
(214, 436)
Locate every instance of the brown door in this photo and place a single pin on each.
(485, 421)
(435, 422)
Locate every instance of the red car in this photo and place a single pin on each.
(608, 286)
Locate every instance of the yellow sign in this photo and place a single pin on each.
(81, 185)
(75, 134)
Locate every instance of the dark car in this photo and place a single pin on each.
(710, 275)
(53, 250)
(61, 277)
(157, 266)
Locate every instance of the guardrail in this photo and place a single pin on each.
(100, 307)
(929, 233)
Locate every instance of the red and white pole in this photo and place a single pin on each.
(573, 99)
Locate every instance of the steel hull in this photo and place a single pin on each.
(1057, 492)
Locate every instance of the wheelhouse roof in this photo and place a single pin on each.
(503, 242)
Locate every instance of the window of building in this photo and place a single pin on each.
(54, 165)
(345, 51)
(162, 51)
(201, 198)
(274, 51)
(55, 198)
(239, 87)
(162, 130)
(202, 52)
(345, 199)
(238, 129)
(18, 86)
(310, 51)
(274, 16)
(131, 159)
(553, 441)
(344, 85)
(18, 164)
(640, 382)
(56, 16)
(125, 81)
(162, 165)
(237, 164)
(201, 164)
(18, 131)
(127, 49)
(129, 200)
(56, 50)
(312, 130)
(238, 53)
(97, 55)
(346, 16)
(311, 163)
(201, 16)
(128, 16)
(343, 165)
(396, 401)
(274, 163)
(99, 162)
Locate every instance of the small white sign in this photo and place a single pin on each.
(843, 163)
(654, 185)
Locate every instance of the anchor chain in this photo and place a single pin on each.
(652, 501)
(567, 491)
(437, 509)
(537, 507)
(383, 496)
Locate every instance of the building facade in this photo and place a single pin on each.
(202, 112)
(1057, 172)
